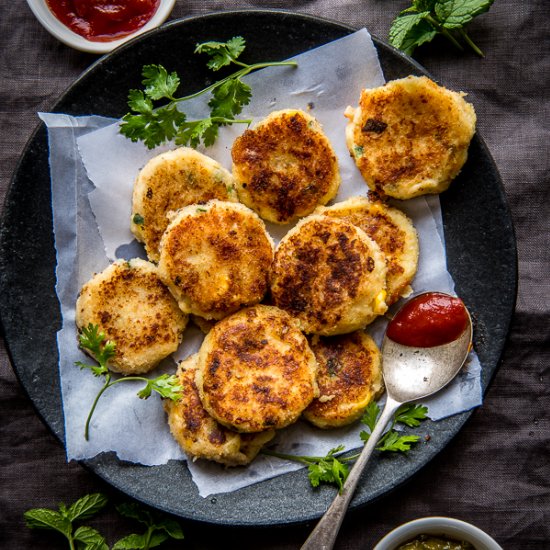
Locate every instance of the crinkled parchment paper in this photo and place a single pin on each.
(93, 169)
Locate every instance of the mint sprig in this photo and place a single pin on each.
(425, 19)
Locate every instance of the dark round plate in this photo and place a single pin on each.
(480, 247)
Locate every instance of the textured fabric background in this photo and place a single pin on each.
(496, 472)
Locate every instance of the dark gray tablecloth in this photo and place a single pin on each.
(496, 472)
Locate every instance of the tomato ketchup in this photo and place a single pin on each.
(103, 20)
(430, 319)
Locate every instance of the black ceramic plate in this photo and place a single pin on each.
(480, 248)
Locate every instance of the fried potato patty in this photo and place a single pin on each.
(349, 375)
(171, 181)
(285, 166)
(215, 258)
(199, 435)
(329, 275)
(394, 233)
(410, 137)
(256, 370)
(134, 309)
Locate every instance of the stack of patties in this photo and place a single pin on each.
(262, 367)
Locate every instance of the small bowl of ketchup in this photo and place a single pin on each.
(99, 26)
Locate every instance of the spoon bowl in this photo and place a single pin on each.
(410, 373)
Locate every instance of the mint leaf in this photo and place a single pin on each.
(131, 542)
(88, 538)
(455, 14)
(410, 30)
(87, 506)
(43, 518)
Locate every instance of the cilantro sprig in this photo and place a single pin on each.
(425, 19)
(93, 340)
(333, 469)
(155, 124)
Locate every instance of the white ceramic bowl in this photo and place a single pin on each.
(68, 37)
(438, 526)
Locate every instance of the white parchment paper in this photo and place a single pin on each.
(93, 169)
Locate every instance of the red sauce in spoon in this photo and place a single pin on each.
(430, 319)
(103, 20)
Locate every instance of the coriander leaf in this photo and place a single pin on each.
(88, 538)
(222, 53)
(158, 83)
(411, 415)
(229, 98)
(192, 132)
(43, 518)
(328, 469)
(370, 415)
(91, 338)
(97, 370)
(394, 442)
(87, 506)
(165, 385)
(138, 102)
(454, 14)
(410, 30)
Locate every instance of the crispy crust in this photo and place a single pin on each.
(199, 435)
(135, 310)
(215, 258)
(329, 275)
(285, 166)
(394, 233)
(171, 181)
(256, 370)
(410, 137)
(349, 376)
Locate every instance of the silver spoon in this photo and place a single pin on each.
(410, 373)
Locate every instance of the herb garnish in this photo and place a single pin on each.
(154, 125)
(159, 528)
(425, 19)
(63, 521)
(334, 469)
(92, 339)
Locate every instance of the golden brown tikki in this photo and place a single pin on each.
(171, 181)
(131, 305)
(394, 233)
(410, 137)
(256, 370)
(199, 435)
(329, 275)
(215, 258)
(349, 376)
(285, 166)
